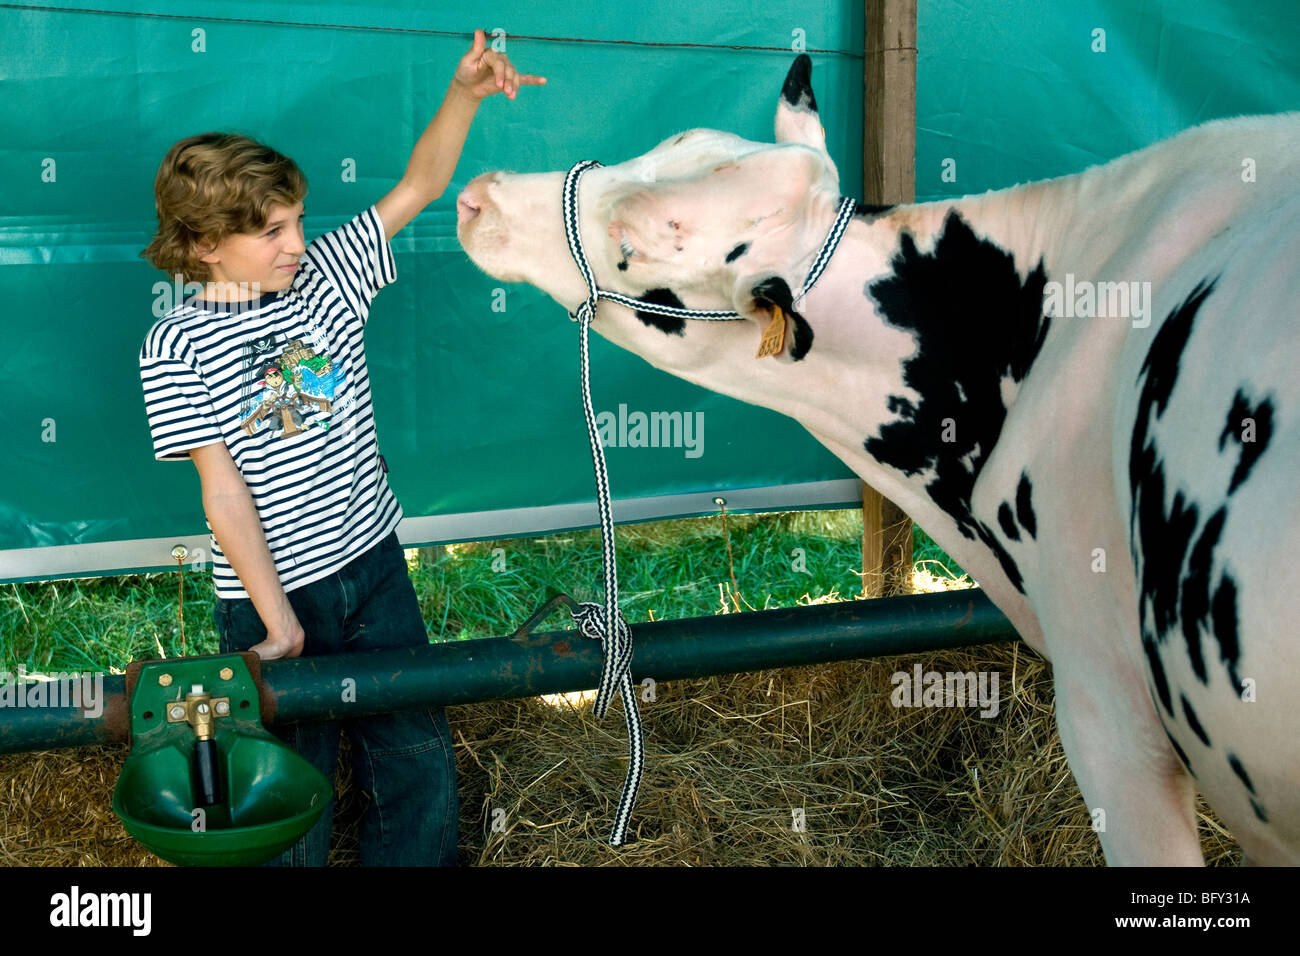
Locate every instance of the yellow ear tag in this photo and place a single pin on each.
(774, 335)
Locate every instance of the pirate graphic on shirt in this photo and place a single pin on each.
(296, 381)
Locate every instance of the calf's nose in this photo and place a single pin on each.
(466, 206)
(472, 198)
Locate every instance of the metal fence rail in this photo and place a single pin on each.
(463, 672)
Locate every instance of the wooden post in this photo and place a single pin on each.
(872, 551)
(888, 176)
(889, 103)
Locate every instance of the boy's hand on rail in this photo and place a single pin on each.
(284, 641)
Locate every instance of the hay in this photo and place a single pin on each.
(730, 761)
(56, 810)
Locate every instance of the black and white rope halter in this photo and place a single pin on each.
(605, 622)
(572, 232)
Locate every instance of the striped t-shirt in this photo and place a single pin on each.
(282, 381)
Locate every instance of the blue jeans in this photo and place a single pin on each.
(403, 760)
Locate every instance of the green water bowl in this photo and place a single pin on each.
(273, 797)
(270, 796)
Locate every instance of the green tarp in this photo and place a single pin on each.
(476, 390)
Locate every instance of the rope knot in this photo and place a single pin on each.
(615, 648)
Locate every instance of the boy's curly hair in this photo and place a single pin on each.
(211, 186)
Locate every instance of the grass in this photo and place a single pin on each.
(667, 569)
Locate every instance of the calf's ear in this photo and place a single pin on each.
(797, 119)
(767, 300)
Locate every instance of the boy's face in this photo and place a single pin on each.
(268, 257)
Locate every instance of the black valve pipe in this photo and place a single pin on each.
(206, 771)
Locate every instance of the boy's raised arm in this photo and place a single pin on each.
(480, 73)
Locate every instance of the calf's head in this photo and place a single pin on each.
(706, 219)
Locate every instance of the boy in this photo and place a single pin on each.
(262, 383)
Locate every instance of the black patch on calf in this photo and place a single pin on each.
(1240, 771)
(1196, 591)
(1008, 523)
(868, 211)
(669, 324)
(775, 291)
(1158, 674)
(737, 252)
(1024, 508)
(798, 84)
(1165, 540)
(1224, 614)
(1259, 811)
(1024, 514)
(1160, 368)
(1162, 543)
(1250, 451)
(1192, 722)
(929, 296)
(1182, 754)
(985, 534)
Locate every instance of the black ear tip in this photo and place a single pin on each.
(798, 83)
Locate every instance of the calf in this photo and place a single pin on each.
(1083, 388)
